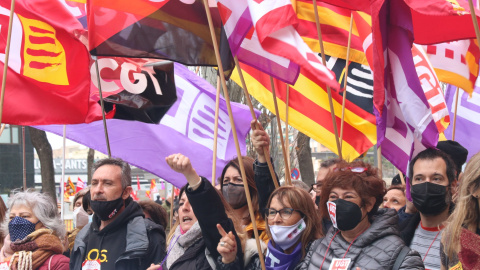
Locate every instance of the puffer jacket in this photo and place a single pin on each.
(376, 248)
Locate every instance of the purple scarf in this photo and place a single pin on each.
(276, 259)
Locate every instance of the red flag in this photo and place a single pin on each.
(48, 66)
(138, 183)
(134, 195)
(80, 184)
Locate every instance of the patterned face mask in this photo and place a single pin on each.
(19, 228)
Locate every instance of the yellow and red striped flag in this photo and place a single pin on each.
(335, 25)
(310, 112)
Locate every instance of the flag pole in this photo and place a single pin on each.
(234, 131)
(401, 177)
(329, 90)
(457, 92)
(171, 207)
(1, 129)
(7, 53)
(103, 107)
(62, 181)
(345, 82)
(287, 140)
(474, 19)
(24, 162)
(288, 181)
(379, 160)
(266, 150)
(215, 133)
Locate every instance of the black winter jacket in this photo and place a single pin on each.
(209, 211)
(144, 240)
(376, 248)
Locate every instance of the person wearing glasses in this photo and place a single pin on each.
(293, 225)
(362, 236)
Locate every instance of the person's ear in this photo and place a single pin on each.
(369, 204)
(126, 193)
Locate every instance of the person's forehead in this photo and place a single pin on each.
(430, 166)
(108, 171)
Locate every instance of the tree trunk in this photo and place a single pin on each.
(304, 155)
(44, 151)
(90, 160)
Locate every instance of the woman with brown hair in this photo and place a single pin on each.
(203, 215)
(362, 236)
(234, 192)
(461, 238)
(293, 225)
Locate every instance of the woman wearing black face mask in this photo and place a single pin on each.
(362, 235)
(234, 193)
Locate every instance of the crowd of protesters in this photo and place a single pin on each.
(348, 219)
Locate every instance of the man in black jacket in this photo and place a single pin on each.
(119, 237)
(432, 175)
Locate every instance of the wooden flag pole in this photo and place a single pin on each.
(287, 139)
(329, 91)
(266, 150)
(171, 207)
(1, 129)
(103, 107)
(455, 113)
(62, 182)
(345, 82)
(401, 177)
(234, 131)
(474, 20)
(379, 160)
(7, 53)
(24, 161)
(215, 133)
(288, 180)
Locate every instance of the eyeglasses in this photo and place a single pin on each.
(352, 169)
(317, 187)
(285, 213)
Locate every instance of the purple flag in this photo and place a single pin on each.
(468, 118)
(406, 126)
(187, 128)
(245, 44)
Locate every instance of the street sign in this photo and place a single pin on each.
(295, 174)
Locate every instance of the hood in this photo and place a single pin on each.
(384, 224)
(131, 210)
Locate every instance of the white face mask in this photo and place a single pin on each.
(287, 236)
(80, 217)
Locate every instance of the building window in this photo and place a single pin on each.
(10, 135)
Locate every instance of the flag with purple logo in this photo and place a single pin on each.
(467, 126)
(406, 126)
(187, 128)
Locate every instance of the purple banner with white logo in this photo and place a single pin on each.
(187, 128)
(467, 125)
(406, 126)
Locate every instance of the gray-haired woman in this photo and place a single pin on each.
(35, 231)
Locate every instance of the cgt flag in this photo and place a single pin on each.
(187, 128)
(48, 66)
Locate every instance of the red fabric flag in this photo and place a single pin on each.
(48, 66)
(80, 184)
(138, 183)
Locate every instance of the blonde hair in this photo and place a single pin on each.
(466, 213)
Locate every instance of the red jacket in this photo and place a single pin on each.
(57, 262)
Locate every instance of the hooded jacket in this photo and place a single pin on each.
(129, 242)
(376, 248)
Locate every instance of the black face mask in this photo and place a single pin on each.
(430, 199)
(106, 210)
(347, 214)
(235, 195)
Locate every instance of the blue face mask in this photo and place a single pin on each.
(19, 228)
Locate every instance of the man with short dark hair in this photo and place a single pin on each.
(118, 237)
(432, 175)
